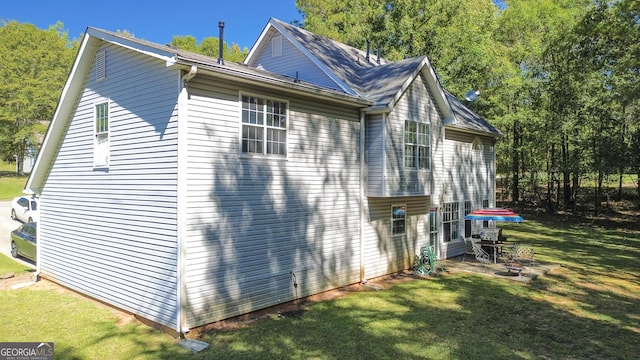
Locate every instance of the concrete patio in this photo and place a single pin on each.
(470, 264)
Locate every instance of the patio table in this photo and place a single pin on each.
(495, 245)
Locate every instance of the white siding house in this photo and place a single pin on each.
(210, 190)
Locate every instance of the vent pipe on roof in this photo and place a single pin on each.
(368, 44)
(221, 43)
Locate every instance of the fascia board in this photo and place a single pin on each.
(168, 56)
(254, 49)
(343, 86)
(62, 114)
(274, 83)
(434, 85)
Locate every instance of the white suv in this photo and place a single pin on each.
(25, 209)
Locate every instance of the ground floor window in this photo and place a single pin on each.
(398, 219)
(450, 221)
(433, 226)
(467, 223)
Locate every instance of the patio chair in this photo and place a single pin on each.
(524, 253)
(509, 250)
(480, 254)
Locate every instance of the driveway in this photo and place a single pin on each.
(6, 226)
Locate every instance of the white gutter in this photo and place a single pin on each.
(181, 211)
(238, 76)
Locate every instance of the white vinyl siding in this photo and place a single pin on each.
(464, 173)
(111, 233)
(257, 223)
(389, 173)
(293, 63)
(382, 253)
(374, 140)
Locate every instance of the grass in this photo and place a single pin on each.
(11, 185)
(589, 308)
(7, 265)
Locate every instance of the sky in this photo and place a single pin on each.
(155, 20)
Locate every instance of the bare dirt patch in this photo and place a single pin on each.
(11, 280)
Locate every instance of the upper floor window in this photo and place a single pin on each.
(101, 135)
(417, 145)
(264, 126)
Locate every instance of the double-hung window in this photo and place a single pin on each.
(450, 221)
(398, 219)
(417, 145)
(101, 135)
(264, 126)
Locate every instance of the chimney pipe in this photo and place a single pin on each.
(378, 59)
(367, 58)
(221, 43)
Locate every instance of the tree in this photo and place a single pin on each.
(607, 48)
(210, 47)
(35, 64)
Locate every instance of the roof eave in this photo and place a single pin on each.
(62, 115)
(273, 23)
(495, 134)
(247, 77)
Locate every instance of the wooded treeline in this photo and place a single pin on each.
(559, 78)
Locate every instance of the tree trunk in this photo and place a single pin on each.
(620, 176)
(566, 174)
(515, 193)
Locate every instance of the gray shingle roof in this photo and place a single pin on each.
(382, 82)
(467, 119)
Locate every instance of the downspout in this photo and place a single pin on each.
(363, 180)
(384, 154)
(38, 269)
(182, 166)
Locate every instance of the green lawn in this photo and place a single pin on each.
(589, 308)
(11, 185)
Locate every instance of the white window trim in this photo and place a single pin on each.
(458, 220)
(405, 219)
(287, 128)
(416, 165)
(96, 164)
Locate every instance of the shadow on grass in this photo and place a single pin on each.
(452, 317)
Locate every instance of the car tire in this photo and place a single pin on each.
(13, 214)
(14, 249)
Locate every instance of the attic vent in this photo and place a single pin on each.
(276, 46)
(101, 71)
